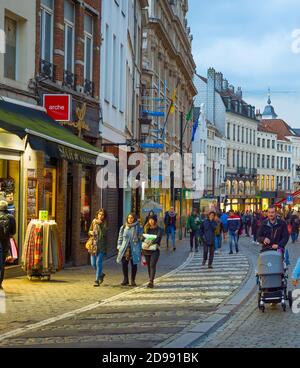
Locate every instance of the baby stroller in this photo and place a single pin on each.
(272, 280)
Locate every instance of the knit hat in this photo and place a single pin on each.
(153, 217)
(3, 206)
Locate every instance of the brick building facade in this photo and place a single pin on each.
(68, 62)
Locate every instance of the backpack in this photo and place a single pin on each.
(4, 227)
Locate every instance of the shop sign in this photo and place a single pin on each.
(58, 107)
(80, 124)
(43, 215)
(70, 154)
(289, 200)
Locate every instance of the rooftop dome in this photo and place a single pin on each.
(269, 112)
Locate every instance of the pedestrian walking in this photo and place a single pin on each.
(234, 226)
(130, 248)
(170, 226)
(151, 213)
(98, 231)
(193, 227)
(224, 221)
(296, 274)
(295, 225)
(218, 235)
(7, 230)
(151, 247)
(256, 221)
(273, 233)
(247, 222)
(207, 234)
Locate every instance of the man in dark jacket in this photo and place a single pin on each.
(193, 227)
(7, 229)
(170, 226)
(273, 233)
(234, 225)
(207, 234)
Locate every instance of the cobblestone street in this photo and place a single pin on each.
(250, 328)
(112, 316)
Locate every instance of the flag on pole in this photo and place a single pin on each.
(173, 99)
(195, 127)
(189, 115)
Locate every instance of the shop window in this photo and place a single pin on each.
(86, 197)
(49, 200)
(10, 189)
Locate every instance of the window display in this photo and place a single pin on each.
(85, 209)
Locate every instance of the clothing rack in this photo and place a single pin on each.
(42, 252)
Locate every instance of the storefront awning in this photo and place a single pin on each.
(46, 135)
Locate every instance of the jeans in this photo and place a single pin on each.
(170, 230)
(254, 233)
(152, 260)
(233, 241)
(211, 249)
(294, 237)
(2, 263)
(218, 242)
(97, 264)
(125, 263)
(194, 236)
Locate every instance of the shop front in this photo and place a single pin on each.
(44, 167)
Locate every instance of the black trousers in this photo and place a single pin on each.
(2, 263)
(194, 239)
(125, 269)
(152, 260)
(208, 248)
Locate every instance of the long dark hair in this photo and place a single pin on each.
(134, 215)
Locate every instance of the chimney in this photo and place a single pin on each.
(211, 94)
(219, 81)
(225, 84)
(231, 88)
(239, 93)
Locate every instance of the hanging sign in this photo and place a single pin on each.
(59, 107)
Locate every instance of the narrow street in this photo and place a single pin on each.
(139, 317)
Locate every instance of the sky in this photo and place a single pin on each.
(256, 45)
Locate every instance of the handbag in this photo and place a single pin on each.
(91, 245)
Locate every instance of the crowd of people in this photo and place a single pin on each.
(141, 244)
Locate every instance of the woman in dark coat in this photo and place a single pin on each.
(151, 249)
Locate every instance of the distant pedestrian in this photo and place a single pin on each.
(256, 221)
(247, 222)
(193, 227)
(207, 234)
(7, 230)
(224, 221)
(234, 226)
(98, 230)
(295, 225)
(218, 235)
(130, 248)
(170, 226)
(151, 247)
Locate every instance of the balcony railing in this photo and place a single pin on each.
(47, 70)
(89, 87)
(69, 79)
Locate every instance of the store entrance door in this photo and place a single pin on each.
(68, 253)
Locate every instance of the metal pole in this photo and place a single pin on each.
(214, 178)
(181, 189)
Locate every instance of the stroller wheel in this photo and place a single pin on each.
(284, 307)
(290, 299)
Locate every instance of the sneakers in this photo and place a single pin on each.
(133, 284)
(125, 283)
(102, 278)
(150, 285)
(97, 283)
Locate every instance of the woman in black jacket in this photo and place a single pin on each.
(151, 248)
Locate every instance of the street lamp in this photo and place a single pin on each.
(145, 126)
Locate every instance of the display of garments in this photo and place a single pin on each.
(42, 251)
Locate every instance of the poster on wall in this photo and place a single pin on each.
(32, 196)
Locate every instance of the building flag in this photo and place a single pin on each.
(202, 117)
(189, 115)
(173, 100)
(195, 127)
